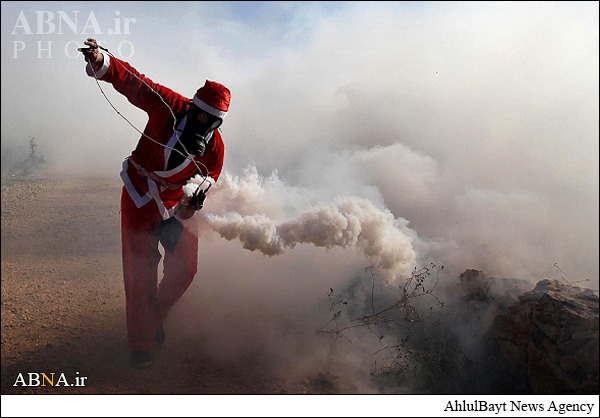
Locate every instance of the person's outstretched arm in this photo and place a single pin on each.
(140, 90)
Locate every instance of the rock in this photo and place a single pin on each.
(547, 342)
(480, 299)
(497, 290)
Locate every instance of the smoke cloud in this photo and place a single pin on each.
(347, 222)
(483, 137)
(391, 134)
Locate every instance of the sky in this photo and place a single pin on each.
(470, 127)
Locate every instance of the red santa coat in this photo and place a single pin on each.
(152, 156)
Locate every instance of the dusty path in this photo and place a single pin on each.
(63, 302)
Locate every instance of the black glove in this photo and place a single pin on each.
(197, 200)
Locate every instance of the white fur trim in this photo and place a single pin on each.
(207, 108)
(167, 153)
(173, 140)
(138, 199)
(153, 189)
(100, 73)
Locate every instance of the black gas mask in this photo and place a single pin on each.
(197, 129)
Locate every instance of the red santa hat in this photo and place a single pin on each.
(213, 98)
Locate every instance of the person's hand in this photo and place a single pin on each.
(185, 209)
(92, 54)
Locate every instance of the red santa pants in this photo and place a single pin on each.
(147, 302)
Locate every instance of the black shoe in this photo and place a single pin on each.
(160, 335)
(141, 358)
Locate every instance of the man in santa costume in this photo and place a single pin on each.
(178, 157)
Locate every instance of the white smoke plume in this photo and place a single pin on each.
(346, 222)
(197, 182)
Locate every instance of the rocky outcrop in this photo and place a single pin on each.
(479, 291)
(546, 342)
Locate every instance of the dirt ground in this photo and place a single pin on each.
(63, 302)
